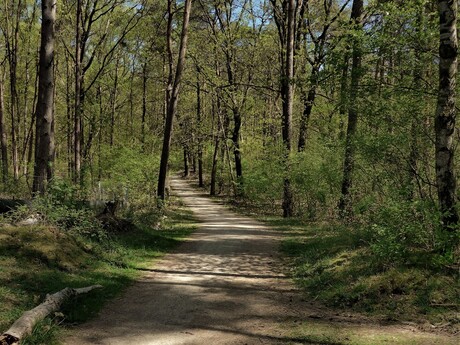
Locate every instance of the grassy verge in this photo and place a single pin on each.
(36, 260)
(334, 265)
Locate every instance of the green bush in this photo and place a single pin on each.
(61, 207)
(402, 231)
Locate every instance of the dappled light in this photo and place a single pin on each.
(224, 285)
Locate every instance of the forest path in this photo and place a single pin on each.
(224, 285)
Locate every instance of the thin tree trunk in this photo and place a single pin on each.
(100, 132)
(308, 101)
(169, 43)
(185, 156)
(343, 96)
(77, 133)
(236, 147)
(44, 151)
(345, 204)
(144, 104)
(288, 98)
(200, 134)
(11, 42)
(445, 111)
(214, 166)
(3, 139)
(29, 137)
(172, 103)
(69, 123)
(114, 104)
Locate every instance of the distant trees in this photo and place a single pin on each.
(318, 108)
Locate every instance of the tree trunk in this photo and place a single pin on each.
(236, 147)
(3, 141)
(445, 111)
(172, 102)
(345, 204)
(186, 169)
(11, 44)
(144, 104)
(169, 43)
(287, 95)
(308, 101)
(69, 124)
(44, 150)
(214, 166)
(114, 104)
(77, 134)
(216, 111)
(25, 324)
(343, 96)
(200, 129)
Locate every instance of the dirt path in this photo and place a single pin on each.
(223, 286)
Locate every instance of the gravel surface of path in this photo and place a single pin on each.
(224, 285)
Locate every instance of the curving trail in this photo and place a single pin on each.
(224, 285)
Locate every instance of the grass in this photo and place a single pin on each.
(36, 260)
(335, 266)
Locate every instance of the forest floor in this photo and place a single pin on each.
(226, 285)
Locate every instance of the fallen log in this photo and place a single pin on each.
(25, 324)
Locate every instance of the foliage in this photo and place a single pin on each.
(36, 260)
(404, 232)
(341, 267)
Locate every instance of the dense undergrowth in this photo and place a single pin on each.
(70, 248)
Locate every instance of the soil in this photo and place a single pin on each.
(226, 285)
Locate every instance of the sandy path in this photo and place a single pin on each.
(222, 286)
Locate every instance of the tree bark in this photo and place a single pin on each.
(200, 129)
(343, 96)
(445, 111)
(308, 101)
(25, 324)
(113, 104)
(11, 45)
(236, 147)
(3, 140)
(44, 150)
(144, 104)
(345, 205)
(287, 94)
(77, 134)
(186, 169)
(172, 102)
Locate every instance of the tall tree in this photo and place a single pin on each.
(13, 14)
(320, 36)
(285, 15)
(445, 110)
(172, 102)
(349, 159)
(44, 150)
(77, 129)
(3, 139)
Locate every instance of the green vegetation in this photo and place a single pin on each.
(320, 332)
(36, 260)
(338, 266)
(340, 113)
